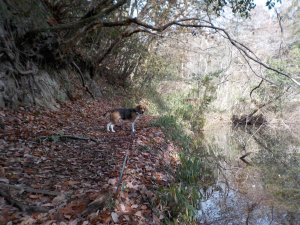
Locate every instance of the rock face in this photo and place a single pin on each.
(32, 71)
(45, 88)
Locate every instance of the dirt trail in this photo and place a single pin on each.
(64, 167)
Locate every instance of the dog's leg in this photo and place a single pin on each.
(132, 127)
(112, 127)
(108, 127)
(133, 123)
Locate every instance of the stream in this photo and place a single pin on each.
(261, 189)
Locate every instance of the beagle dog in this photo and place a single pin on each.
(117, 115)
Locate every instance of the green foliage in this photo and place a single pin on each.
(52, 138)
(182, 202)
(242, 7)
(271, 3)
(173, 130)
(129, 102)
(181, 198)
(189, 116)
(157, 105)
(288, 63)
(189, 107)
(110, 203)
(190, 169)
(209, 83)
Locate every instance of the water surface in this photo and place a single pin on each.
(262, 189)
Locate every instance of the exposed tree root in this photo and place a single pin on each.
(58, 137)
(21, 206)
(29, 189)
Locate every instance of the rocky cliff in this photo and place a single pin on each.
(34, 70)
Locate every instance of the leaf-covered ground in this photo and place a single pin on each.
(63, 167)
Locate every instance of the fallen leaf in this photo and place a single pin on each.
(73, 222)
(139, 214)
(34, 196)
(115, 217)
(112, 181)
(72, 182)
(58, 200)
(49, 222)
(144, 207)
(122, 207)
(4, 180)
(28, 221)
(135, 206)
(67, 216)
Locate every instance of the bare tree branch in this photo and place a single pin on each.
(86, 87)
(82, 22)
(98, 21)
(205, 24)
(241, 47)
(256, 87)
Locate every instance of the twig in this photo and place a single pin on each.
(269, 102)
(239, 46)
(245, 155)
(121, 173)
(256, 87)
(245, 161)
(82, 80)
(31, 88)
(253, 71)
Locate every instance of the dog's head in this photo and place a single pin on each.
(141, 109)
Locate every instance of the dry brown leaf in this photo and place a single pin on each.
(144, 207)
(34, 196)
(28, 221)
(74, 222)
(134, 206)
(72, 182)
(49, 222)
(139, 214)
(58, 200)
(112, 181)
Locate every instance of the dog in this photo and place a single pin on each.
(118, 115)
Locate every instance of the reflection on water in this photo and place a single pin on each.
(265, 189)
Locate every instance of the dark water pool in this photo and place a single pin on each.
(264, 188)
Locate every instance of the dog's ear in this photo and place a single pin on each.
(144, 103)
(138, 107)
(141, 108)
